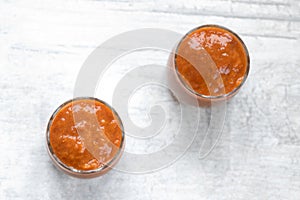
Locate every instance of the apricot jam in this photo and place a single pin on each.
(226, 50)
(85, 134)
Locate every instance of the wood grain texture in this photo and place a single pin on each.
(43, 45)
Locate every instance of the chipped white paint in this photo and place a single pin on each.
(44, 43)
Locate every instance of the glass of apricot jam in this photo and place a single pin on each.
(220, 49)
(85, 137)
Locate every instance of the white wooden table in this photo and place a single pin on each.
(43, 45)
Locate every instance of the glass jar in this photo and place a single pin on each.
(210, 64)
(85, 137)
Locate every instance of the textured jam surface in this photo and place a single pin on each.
(225, 50)
(85, 134)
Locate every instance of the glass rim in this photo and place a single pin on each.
(71, 169)
(209, 96)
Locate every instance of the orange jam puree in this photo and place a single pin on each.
(226, 51)
(85, 134)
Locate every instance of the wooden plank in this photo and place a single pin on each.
(268, 10)
(264, 2)
(90, 15)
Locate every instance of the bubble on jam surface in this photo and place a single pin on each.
(91, 108)
(224, 70)
(70, 137)
(83, 107)
(235, 69)
(196, 41)
(80, 124)
(116, 141)
(218, 39)
(113, 121)
(216, 75)
(99, 129)
(105, 150)
(225, 54)
(216, 90)
(239, 80)
(82, 148)
(76, 142)
(92, 164)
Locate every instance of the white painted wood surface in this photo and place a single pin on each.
(43, 45)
